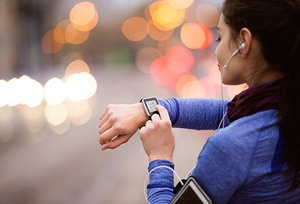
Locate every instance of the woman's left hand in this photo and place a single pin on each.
(157, 136)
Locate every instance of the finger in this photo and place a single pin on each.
(104, 113)
(155, 117)
(164, 115)
(115, 143)
(104, 127)
(103, 119)
(148, 123)
(142, 130)
(107, 136)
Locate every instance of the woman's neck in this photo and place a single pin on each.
(263, 78)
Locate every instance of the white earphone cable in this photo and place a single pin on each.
(158, 167)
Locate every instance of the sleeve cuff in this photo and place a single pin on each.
(161, 176)
(160, 162)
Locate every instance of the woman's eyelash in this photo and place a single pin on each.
(218, 39)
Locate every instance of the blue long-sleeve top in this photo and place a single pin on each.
(241, 163)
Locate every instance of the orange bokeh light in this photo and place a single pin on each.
(135, 28)
(84, 16)
(147, 13)
(207, 14)
(165, 16)
(189, 86)
(49, 44)
(158, 34)
(59, 36)
(74, 36)
(60, 29)
(196, 35)
(181, 4)
(77, 66)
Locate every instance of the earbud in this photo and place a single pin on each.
(242, 46)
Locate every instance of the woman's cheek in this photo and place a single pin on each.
(219, 55)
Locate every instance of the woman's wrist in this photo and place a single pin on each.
(141, 117)
(160, 157)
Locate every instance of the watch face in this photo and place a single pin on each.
(150, 104)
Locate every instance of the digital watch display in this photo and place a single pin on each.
(150, 105)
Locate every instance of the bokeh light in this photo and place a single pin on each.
(180, 59)
(49, 44)
(59, 35)
(188, 86)
(119, 59)
(81, 86)
(135, 28)
(161, 73)
(60, 30)
(79, 112)
(34, 119)
(181, 4)
(55, 91)
(84, 16)
(61, 128)
(147, 13)
(56, 115)
(74, 36)
(207, 14)
(31, 91)
(145, 57)
(158, 34)
(165, 16)
(166, 70)
(77, 66)
(196, 35)
(13, 92)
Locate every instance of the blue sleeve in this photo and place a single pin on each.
(161, 182)
(222, 166)
(195, 113)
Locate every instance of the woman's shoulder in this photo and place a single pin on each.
(244, 134)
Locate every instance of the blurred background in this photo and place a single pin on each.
(63, 62)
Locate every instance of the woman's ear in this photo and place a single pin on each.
(245, 37)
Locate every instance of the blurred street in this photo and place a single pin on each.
(71, 168)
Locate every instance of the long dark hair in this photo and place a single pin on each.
(276, 25)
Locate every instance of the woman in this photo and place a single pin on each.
(255, 158)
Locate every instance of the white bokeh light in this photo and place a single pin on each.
(55, 91)
(56, 115)
(81, 86)
(30, 91)
(13, 92)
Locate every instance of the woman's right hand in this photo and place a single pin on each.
(118, 123)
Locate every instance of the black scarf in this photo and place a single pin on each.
(255, 99)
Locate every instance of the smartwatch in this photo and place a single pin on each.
(149, 105)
